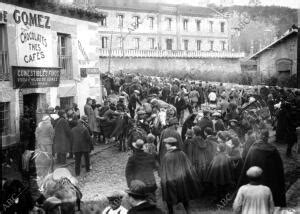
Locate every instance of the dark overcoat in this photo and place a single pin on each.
(179, 181)
(188, 124)
(267, 157)
(212, 144)
(168, 132)
(81, 139)
(62, 136)
(203, 123)
(89, 112)
(219, 172)
(199, 154)
(141, 166)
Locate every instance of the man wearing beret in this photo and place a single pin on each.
(254, 197)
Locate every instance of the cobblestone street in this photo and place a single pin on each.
(108, 174)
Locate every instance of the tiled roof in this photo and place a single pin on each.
(138, 5)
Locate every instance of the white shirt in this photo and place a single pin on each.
(212, 96)
(109, 210)
(254, 199)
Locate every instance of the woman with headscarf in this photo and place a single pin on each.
(44, 135)
(178, 179)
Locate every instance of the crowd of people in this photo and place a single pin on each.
(204, 140)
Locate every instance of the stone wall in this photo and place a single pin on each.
(205, 69)
(8, 95)
(287, 50)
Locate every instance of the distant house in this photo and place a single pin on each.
(279, 59)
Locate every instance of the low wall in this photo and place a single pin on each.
(215, 69)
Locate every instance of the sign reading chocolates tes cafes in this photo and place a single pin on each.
(33, 39)
(33, 77)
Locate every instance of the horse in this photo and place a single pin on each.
(123, 124)
(61, 192)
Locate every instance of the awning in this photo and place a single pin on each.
(67, 91)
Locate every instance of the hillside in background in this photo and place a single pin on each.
(252, 28)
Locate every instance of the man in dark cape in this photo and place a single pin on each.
(199, 154)
(178, 179)
(141, 166)
(267, 157)
(171, 131)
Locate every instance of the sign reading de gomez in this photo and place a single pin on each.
(33, 39)
(35, 66)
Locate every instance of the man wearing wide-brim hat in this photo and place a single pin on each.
(138, 199)
(171, 131)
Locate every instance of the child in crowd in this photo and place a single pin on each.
(253, 197)
(115, 207)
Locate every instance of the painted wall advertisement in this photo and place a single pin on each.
(33, 39)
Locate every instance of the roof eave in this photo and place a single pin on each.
(256, 55)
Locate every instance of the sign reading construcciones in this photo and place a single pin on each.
(32, 77)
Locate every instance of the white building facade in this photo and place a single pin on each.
(162, 27)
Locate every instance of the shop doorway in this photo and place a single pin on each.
(34, 105)
(30, 104)
(284, 70)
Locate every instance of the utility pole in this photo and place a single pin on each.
(109, 59)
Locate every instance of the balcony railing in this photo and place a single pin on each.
(167, 54)
(4, 69)
(65, 62)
